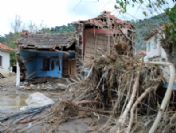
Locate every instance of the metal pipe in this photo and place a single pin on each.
(167, 94)
(18, 75)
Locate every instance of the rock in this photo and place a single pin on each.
(61, 86)
(37, 99)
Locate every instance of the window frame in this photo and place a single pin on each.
(46, 64)
(0, 60)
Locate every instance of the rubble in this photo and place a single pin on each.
(103, 35)
(49, 84)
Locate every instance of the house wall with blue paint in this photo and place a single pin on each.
(41, 64)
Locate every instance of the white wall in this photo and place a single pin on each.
(155, 52)
(154, 49)
(5, 62)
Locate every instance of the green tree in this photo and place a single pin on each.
(171, 27)
(144, 27)
(59, 29)
(10, 40)
(150, 5)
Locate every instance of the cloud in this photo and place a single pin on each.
(90, 8)
(56, 13)
(50, 12)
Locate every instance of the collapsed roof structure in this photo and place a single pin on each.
(46, 55)
(104, 34)
(60, 55)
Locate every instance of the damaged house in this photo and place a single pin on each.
(58, 56)
(5, 59)
(104, 34)
(158, 49)
(46, 56)
(158, 46)
(154, 49)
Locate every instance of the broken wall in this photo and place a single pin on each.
(42, 64)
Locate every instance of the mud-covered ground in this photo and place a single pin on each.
(12, 99)
(11, 95)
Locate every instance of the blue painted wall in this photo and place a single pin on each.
(34, 63)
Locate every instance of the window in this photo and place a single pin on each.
(46, 64)
(58, 64)
(0, 60)
(52, 65)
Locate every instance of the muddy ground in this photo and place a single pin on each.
(12, 99)
(11, 95)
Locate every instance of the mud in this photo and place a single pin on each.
(12, 99)
(12, 103)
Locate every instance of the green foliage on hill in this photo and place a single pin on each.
(2, 39)
(144, 27)
(59, 29)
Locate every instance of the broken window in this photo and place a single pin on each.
(58, 64)
(46, 64)
(52, 65)
(0, 60)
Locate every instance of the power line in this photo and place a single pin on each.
(77, 5)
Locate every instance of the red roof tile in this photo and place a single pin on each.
(101, 21)
(5, 48)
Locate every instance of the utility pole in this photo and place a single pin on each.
(109, 30)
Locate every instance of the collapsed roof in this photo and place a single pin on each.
(106, 20)
(46, 41)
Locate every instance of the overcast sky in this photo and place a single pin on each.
(56, 12)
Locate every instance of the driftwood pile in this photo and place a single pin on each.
(124, 90)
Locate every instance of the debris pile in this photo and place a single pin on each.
(117, 87)
(98, 36)
(49, 84)
(120, 88)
